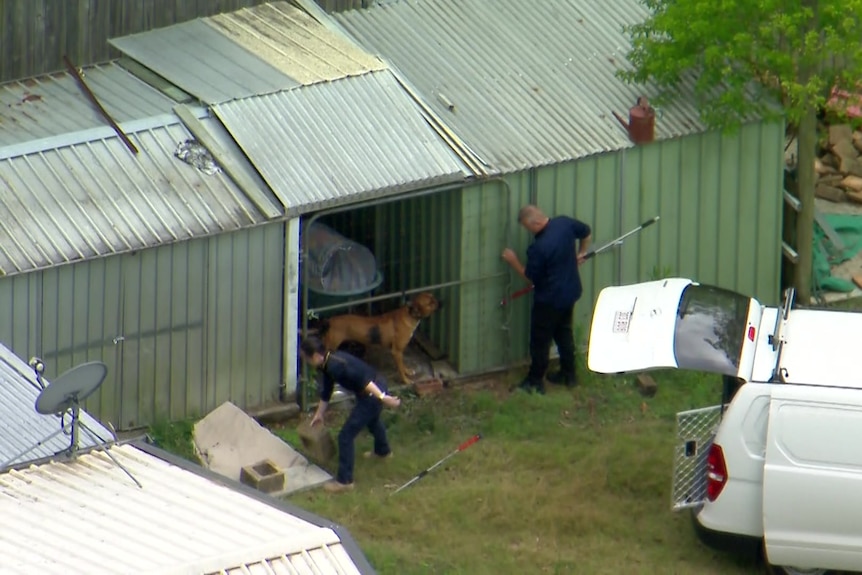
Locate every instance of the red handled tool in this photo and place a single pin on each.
(461, 447)
(524, 291)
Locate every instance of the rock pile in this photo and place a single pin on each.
(839, 165)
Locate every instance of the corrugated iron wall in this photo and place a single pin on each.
(36, 33)
(245, 316)
(719, 198)
(182, 327)
(488, 225)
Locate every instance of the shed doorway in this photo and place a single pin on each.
(416, 247)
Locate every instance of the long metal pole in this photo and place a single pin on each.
(425, 472)
(610, 244)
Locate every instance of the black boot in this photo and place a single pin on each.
(560, 378)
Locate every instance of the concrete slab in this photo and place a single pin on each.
(228, 439)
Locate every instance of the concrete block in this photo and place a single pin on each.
(316, 441)
(264, 476)
(646, 385)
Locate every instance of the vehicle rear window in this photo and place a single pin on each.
(710, 329)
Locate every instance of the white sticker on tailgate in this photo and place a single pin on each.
(621, 321)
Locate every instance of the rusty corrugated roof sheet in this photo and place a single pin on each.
(252, 51)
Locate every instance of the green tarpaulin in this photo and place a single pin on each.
(826, 255)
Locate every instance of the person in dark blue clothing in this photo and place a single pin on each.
(559, 246)
(370, 388)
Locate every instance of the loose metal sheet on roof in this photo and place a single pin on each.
(342, 141)
(47, 106)
(523, 84)
(202, 61)
(89, 517)
(22, 427)
(95, 198)
(295, 42)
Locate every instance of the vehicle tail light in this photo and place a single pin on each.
(751, 332)
(716, 472)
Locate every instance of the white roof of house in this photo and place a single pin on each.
(88, 516)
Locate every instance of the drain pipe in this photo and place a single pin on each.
(302, 391)
(621, 214)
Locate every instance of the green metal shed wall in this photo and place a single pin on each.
(182, 327)
(719, 198)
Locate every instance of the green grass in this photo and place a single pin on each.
(175, 437)
(573, 482)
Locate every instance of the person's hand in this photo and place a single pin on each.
(582, 258)
(509, 255)
(391, 401)
(316, 419)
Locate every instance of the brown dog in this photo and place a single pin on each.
(392, 330)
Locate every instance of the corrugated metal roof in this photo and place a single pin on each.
(89, 517)
(202, 61)
(295, 43)
(48, 106)
(529, 83)
(249, 52)
(22, 427)
(95, 198)
(342, 141)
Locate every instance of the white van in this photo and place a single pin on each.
(778, 465)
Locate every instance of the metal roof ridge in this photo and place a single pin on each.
(93, 134)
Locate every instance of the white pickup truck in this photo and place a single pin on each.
(777, 466)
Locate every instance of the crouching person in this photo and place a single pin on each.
(356, 376)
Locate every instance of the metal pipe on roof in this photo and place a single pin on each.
(83, 85)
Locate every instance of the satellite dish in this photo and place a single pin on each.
(72, 387)
(64, 397)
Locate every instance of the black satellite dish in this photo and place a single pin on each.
(71, 388)
(63, 397)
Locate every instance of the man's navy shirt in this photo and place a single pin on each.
(349, 372)
(552, 263)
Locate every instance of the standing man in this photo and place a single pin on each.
(354, 375)
(552, 267)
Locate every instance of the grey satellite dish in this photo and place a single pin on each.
(71, 388)
(64, 397)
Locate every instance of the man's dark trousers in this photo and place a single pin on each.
(365, 415)
(547, 324)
